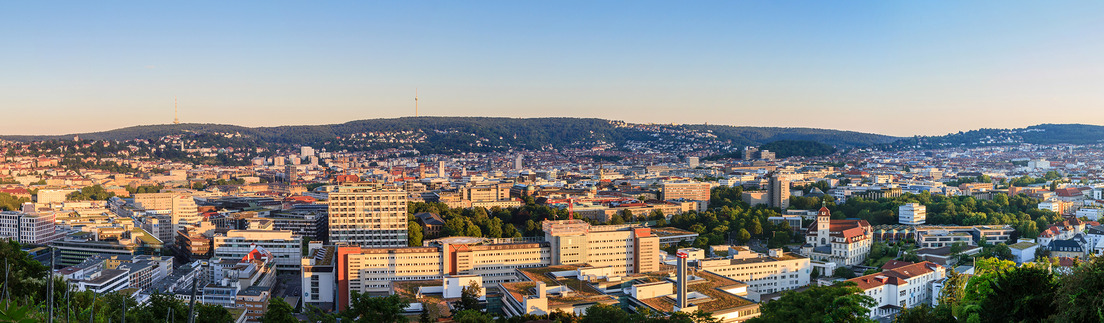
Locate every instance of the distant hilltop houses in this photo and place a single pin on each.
(671, 218)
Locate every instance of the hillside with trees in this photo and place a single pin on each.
(804, 148)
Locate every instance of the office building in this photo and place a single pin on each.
(284, 246)
(180, 206)
(690, 191)
(764, 273)
(912, 213)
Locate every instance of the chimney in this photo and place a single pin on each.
(680, 285)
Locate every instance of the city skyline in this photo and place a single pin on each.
(895, 69)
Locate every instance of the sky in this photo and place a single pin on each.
(893, 67)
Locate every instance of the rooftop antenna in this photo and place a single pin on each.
(415, 102)
(176, 112)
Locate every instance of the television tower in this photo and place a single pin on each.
(415, 102)
(176, 112)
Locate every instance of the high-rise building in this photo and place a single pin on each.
(518, 162)
(625, 249)
(693, 162)
(441, 169)
(283, 244)
(368, 216)
(779, 191)
(306, 151)
(180, 205)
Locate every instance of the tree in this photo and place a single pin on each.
(1022, 294)
(469, 297)
(1080, 294)
(843, 272)
(94, 192)
(601, 313)
(743, 236)
(838, 303)
(414, 234)
(279, 311)
(472, 316)
(367, 309)
(209, 313)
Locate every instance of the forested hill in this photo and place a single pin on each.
(476, 134)
(1043, 134)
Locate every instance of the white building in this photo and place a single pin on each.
(285, 247)
(901, 287)
(912, 214)
(769, 273)
(844, 242)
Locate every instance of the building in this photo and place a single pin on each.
(48, 196)
(30, 227)
(844, 242)
(310, 221)
(900, 285)
(368, 216)
(181, 207)
(431, 223)
(1023, 251)
(779, 191)
(627, 249)
(764, 273)
(285, 247)
(317, 276)
(689, 191)
(912, 214)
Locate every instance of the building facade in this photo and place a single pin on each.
(368, 216)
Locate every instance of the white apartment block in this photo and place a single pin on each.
(284, 246)
(912, 214)
(368, 216)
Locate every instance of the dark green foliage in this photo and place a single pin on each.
(94, 192)
(805, 148)
(1020, 211)
(279, 311)
(11, 203)
(367, 309)
(838, 303)
(1080, 295)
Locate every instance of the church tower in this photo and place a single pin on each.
(824, 220)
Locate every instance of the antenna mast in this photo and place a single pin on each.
(176, 112)
(415, 102)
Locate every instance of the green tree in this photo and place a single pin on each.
(210, 313)
(469, 297)
(367, 309)
(743, 236)
(1023, 294)
(601, 313)
(838, 303)
(1079, 296)
(279, 311)
(414, 234)
(843, 272)
(472, 316)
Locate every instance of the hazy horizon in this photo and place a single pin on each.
(899, 69)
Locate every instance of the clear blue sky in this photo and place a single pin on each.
(893, 67)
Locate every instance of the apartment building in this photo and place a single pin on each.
(764, 273)
(368, 216)
(900, 285)
(286, 247)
